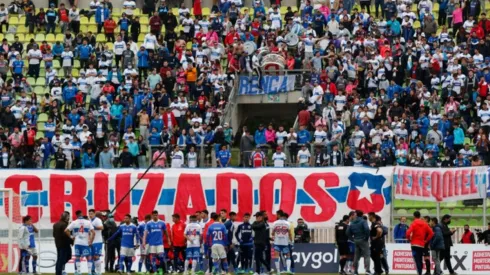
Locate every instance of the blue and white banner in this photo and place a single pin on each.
(271, 84)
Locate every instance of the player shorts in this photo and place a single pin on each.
(32, 251)
(343, 249)
(193, 253)
(284, 249)
(218, 251)
(144, 249)
(352, 248)
(96, 249)
(82, 250)
(155, 249)
(127, 251)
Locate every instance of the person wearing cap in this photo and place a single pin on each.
(261, 241)
(279, 158)
(448, 242)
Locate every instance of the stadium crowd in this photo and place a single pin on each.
(105, 87)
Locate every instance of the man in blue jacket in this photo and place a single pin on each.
(84, 52)
(244, 237)
(101, 15)
(400, 231)
(143, 63)
(304, 136)
(259, 136)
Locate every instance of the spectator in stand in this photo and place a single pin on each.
(468, 236)
(400, 231)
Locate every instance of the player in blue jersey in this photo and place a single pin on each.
(154, 232)
(216, 237)
(82, 232)
(27, 246)
(143, 248)
(224, 157)
(129, 241)
(96, 249)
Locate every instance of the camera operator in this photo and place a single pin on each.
(301, 232)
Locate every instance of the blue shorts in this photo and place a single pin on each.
(284, 249)
(96, 249)
(82, 250)
(352, 248)
(193, 253)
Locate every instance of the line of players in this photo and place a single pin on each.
(207, 239)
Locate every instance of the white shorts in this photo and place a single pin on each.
(32, 251)
(218, 251)
(144, 249)
(127, 251)
(155, 249)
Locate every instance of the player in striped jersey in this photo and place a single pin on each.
(82, 232)
(282, 238)
(193, 234)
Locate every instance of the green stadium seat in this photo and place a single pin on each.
(116, 12)
(41, 81)
(39, 135)
(56, 64)
(475, 222)
(478, 211)
(468, 211)
(459, 222)
(38, 90)
(28, 37)
(31, 80)
(402, 212)
(40, 37)
(40, 126)
(424, 212)
(457, 211)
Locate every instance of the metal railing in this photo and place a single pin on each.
(232, 99)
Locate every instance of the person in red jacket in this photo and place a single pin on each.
(155, 24)
(169, 119)
(478, 31)
(179, 241)
(109, 27)
(483, 87)
(232, 34)
(468, 236)
(484, 23)
(419, 234)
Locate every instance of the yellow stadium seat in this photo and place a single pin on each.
(22, 20)
(295, 9)
(144, 20)
(21, 29)
(435, 8)
(283, 10)
(416, 24)
(92, 21)
(38, 90)
(188, 46)
(83, 21)
(61, 73)
(110, 45)
(21, 37)
(116, 12)
(31, 80)
(50, 38)
(14, 20)
(141, 37)
(75, 73)
(9, 37)
(76, 64)
(175, 11)
(28, 37)
(60, 37)
(39, 38)
(100, 37)
(137, 12)
(56, 64)
(92, 29)
(43, 117)
(41, 81)
(84, 29)
(206, 11)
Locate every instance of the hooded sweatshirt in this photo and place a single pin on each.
(419, 233)
(358, 230)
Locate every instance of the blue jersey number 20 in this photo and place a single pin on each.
(217, 235)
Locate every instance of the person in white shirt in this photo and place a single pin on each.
(129, 6)
(281, 136)
(192, 158)
(83, 236)
(357, 136)
(34, 56)
(150, 42)
(279, 157)
(282, 239)
(68, 151)
(319, 136)
(340, 100)
(317, 97)
(303, 157)
(97, 243)
(177, 158)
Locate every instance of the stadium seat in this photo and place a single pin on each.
(43, 117)
(468, 211)
(40, 37)
(31, 80)
(83, 21)
(41, 81)
(175, 11)
(91, 21)
(39, 135)
(76, 64)
(61, 73)
(206, 11)
(460, 222)
(92, 29)
(141, 37)
(457, 211)
(283, 10)
(9, 37)
(75, 73)
(28, 37)
(60, 37)
(13, 20)
(21, 29)
(144, 21)
(83, 28)
(137, 12)
(100, 37)
(402, 212)
(38, 90)
(1, 36)
(56, 64)
(42, 72)
(50, 38)
(40, 126)
(22, 21)
(116, 12)
(424, 212)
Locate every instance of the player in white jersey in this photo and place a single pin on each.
(282, 238)
(82, 232)
(193, 234)
(96, 249)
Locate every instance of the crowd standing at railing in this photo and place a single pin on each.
(108, 87)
